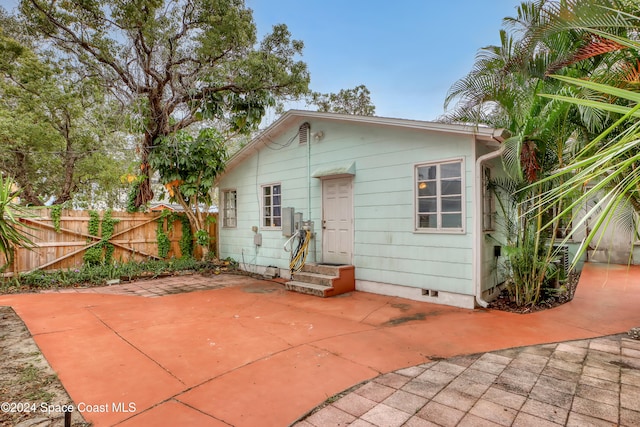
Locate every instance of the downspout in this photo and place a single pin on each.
(309, 173)
(478, 234)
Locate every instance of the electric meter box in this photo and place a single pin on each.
(257, 239)
(287, 222)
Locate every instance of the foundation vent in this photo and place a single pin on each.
(430, 293)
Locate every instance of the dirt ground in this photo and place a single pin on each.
(504, 301)
(30, 392)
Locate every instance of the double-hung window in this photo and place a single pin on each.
(271, 206)
(229, 209)
(439, 196)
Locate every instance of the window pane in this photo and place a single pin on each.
(451, 204)
(452, 221)
(451, 187)
(272, 201)
(450, 170)
(440, 196)
(426, 172)
(427, 221)
(427, 205)
(427, 188)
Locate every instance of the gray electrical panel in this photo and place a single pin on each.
(287, 222)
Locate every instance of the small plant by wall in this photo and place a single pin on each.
(186, 242)
(97, 275)
(101, 253)
(164, 230)
(56, 214)
(164, 242)
(93, 255)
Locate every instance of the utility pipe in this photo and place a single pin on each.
(478, 232)
(309, 173)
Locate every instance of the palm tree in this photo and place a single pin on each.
(503, 90)
(611, 159)
(11, 230)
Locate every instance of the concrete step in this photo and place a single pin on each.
(323, 280)
(314, 278)
(327, 270)
(308, 288)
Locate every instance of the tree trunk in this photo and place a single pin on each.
(27, 195)
(205, 253)
(145, 193)
(69, 168)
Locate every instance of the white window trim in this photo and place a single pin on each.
(463, 190)
(224, 208)
(272, 227)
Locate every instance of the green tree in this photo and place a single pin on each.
(609, 61)
(348, 101)
(56, 129)
(180, 62)
(188, 167)
(611, 160)
(503, 90)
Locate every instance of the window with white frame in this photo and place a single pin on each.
(271, 206)
(229, 209)
(439, 200)
(488, 202)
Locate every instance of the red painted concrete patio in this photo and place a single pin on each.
(251, 354)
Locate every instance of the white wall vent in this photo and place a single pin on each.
(303, 133)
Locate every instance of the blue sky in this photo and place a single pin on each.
(407, 52)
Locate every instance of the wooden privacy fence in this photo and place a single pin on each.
(134, 238)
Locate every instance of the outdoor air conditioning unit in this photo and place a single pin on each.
(563, 252)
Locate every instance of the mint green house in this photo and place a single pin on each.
(398, 206)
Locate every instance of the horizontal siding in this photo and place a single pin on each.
(416, 280)
(451, 256)
(386, 247)
(420, 240)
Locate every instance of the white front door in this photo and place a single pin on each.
(337, 220)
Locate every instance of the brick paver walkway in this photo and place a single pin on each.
(590, 382)
(153, 288)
